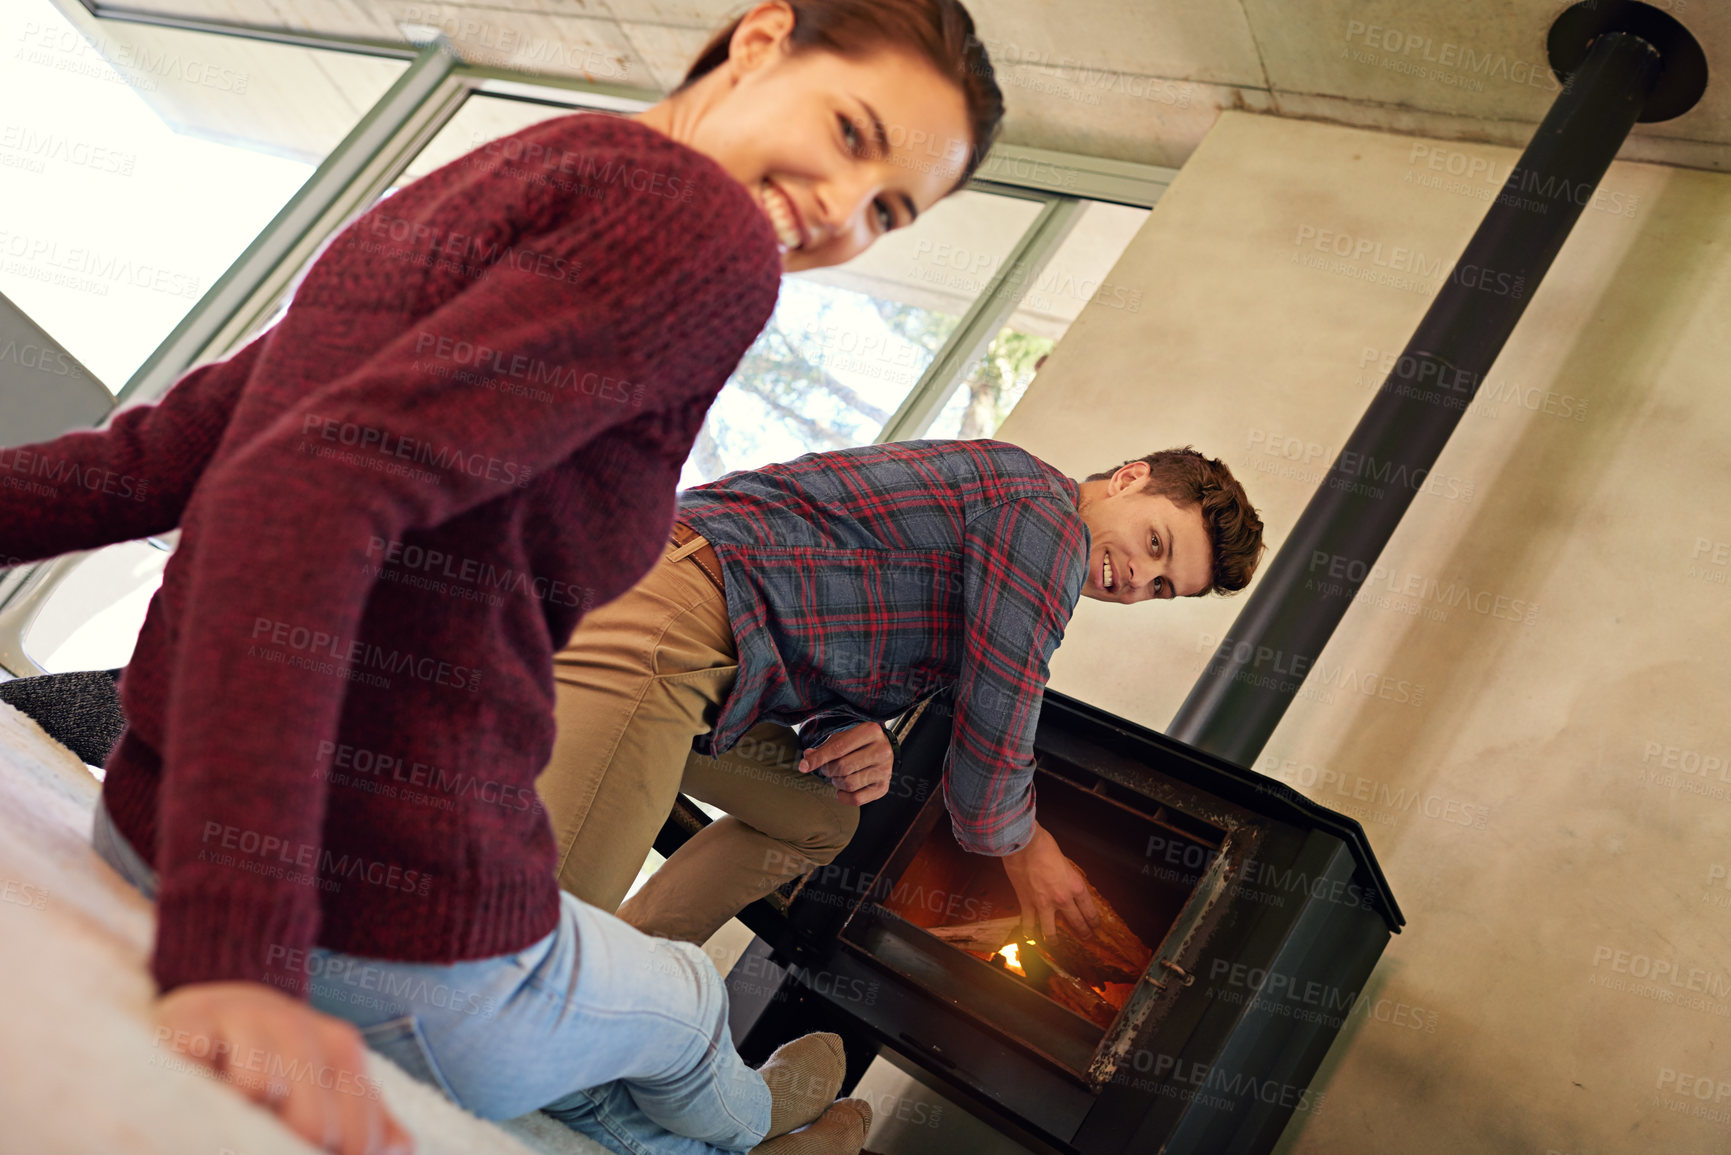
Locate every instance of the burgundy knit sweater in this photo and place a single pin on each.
(395, 506)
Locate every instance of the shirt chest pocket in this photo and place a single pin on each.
(876, 625)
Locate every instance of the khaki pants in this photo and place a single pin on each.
(643, 675)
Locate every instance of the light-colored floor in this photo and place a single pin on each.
(908, 1118)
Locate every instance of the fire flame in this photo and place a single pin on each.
(1012, 959)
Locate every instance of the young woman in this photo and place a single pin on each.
(394, 507)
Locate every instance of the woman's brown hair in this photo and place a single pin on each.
(938, 31)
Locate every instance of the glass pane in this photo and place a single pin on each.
(847, 345)
(1079, 272)
(136, 164)
(992, 387)
(91, 621)
(827, 372)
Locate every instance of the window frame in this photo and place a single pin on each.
(392, 133)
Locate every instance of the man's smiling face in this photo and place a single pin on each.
(1144, 545)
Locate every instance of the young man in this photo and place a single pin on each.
(836, 591)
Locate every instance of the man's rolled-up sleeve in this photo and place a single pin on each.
(826, 724)
(1023, 566)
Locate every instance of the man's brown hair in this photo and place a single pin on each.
(1190, 480)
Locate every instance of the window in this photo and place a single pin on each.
(847, 345)
(92, 619)
(1079, 272)
(852, 354)
(137, 162)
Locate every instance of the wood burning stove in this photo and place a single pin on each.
(1263, 912)
(1242, 890)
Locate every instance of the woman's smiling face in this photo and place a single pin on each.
(837, 150)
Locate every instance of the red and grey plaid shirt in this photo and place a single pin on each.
(861, 581)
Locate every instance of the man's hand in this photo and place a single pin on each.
(857, 762)
(307, 1067)
(1048, 885)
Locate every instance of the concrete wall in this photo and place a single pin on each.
(1530, 709)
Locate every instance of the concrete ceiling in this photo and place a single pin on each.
(1139, 80)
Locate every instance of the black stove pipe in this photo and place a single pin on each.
(1257, 670)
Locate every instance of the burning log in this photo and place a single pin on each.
(1113, 955)
(1091, 976)
(980, 937)
(1069, 991)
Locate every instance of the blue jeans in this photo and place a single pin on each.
(620, 1036)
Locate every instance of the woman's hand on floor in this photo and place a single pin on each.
(308, 1067)
(857, 762)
